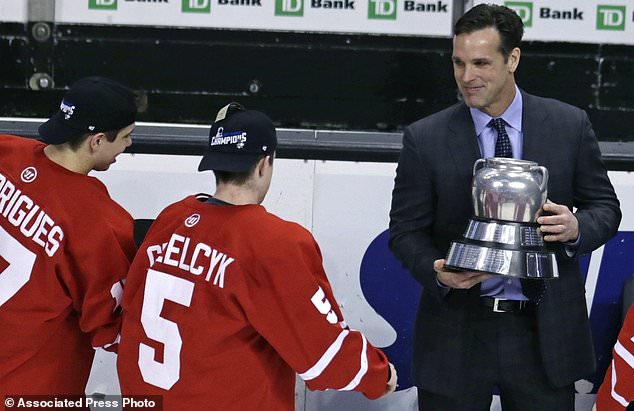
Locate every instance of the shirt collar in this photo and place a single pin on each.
(512, 116)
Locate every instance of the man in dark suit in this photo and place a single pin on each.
(477, 332)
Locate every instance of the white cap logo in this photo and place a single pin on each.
(67, 110)
(29, 174)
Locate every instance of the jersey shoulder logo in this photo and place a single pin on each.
(192, 220)
(29, 174)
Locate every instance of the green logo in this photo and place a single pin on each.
(382, 9)
(196, 6)
(102, 4)
(610, 17)
(523, 9)
(289, 8)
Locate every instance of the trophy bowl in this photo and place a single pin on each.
(502, 237)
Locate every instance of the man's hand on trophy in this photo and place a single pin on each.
(558, 223)
(457, 279)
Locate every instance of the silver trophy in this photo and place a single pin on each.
(502, 236)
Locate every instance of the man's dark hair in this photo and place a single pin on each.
(75, 142)
(238, 178)
(505, 20)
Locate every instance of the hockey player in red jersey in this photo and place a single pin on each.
(617, 391)
(65, 245)
(225, 302)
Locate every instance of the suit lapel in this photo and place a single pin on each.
(463, 142)
(533, 129)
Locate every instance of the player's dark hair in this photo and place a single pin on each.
(239, 178)
(504, 19)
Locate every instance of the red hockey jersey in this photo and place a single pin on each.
(65, 245)
(617, 390)
(223, 304)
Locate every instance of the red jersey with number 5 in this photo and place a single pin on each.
(224, 304)
(64, 248)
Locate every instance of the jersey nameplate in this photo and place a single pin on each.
(197, 259)
(34, 223)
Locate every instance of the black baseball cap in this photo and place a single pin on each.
(91, 105)
(238, 137)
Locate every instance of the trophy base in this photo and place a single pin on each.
(466, 256)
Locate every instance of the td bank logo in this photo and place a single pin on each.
(196, 6)
(382, 9)
(523, 9)
(289, 8)
(102, 4)
(610, 17)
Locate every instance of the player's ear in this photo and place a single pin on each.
(262, 164)
(95, 141)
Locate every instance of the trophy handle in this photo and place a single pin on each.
(544, 172)
(478, 164)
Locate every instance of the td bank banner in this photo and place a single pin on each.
(407, 17)
(584, 21)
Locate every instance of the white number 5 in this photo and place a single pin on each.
(18, 273)
(322, 304)
(159, 287)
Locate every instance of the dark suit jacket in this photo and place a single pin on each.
(431, 205)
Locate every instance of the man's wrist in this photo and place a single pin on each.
(441, 284)
(571, 247)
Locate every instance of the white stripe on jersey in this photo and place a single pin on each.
(362, 370)
(613, 392)
(628, 358)
(116, 341)
(319, 367)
